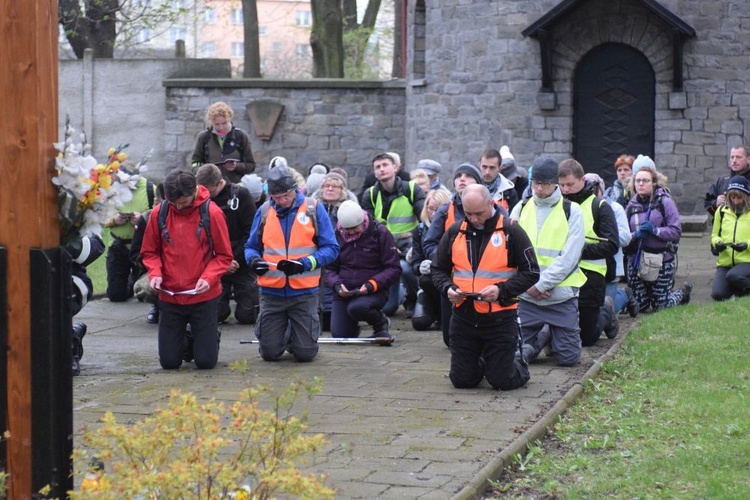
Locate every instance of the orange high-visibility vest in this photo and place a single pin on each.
(450, 216)
(301, 244)
(493, 267)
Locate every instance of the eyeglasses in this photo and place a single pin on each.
(643, 181)
(540, 183)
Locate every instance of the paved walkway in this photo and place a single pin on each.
(396, 426)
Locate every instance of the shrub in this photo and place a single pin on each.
(205, 450)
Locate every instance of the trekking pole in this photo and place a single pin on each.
(385, 341)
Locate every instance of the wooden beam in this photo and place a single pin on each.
(28, 204)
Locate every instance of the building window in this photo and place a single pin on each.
(262, 30)
(209, 49)
(143, 35)
(303, 51)
(304, 18)
(210, 15)
(276, 46)
(177, 33)
(237, 16)
(238, 49)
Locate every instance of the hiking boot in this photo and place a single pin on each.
(613, 328)
(633, 306)
(152, 317)
(528, 353)
(383, 330)
(79, 330)
(686, 289)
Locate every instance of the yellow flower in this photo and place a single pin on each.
(115, 165)
(105, 181)
(122, 156)
(111, 151)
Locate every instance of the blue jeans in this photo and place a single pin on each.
(618, 295)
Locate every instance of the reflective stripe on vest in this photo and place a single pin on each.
(301, 244)
(551, 242)
(493, 267)
(401, 218)
(587, 207)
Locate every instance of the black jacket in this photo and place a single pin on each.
(239, 208)
(605, 226)
(720, 187)
(520, 256)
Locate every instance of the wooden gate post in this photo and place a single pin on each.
(28, 203)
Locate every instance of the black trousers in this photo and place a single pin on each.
(243, 286)
(486, 351)
(121, 273)
(173, 321)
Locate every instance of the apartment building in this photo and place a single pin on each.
(283, 35)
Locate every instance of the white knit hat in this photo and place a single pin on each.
(277, 161)
(254, 184)
(350, 214)
(506, 156)
(643, 161)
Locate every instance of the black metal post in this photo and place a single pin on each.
(52, 381)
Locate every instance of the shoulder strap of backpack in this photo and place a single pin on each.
(264, 208)
(150, 193)
(312, 212)
(163, 212)
(205, 224)
(206, 137)
(566, 208)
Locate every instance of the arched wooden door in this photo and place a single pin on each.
(613, 107)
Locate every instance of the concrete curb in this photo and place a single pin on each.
(477, 486)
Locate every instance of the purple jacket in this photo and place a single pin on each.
(373, 256)
(663, 215)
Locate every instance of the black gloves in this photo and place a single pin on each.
(259, 267)
(740, 247)
(290, 267)
(720, 246)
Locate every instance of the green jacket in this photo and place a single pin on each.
(730, 228)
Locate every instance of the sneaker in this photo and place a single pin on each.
(79, 330)
(384, 331)
(686, 289)
(613, 328)
(633, 306)
(152, 317)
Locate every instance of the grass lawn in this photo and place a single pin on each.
(97, 270)
(669, 417)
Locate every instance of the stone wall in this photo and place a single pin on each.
(119, 101)
(340, 123)
(482, 77)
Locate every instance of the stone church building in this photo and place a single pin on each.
(585, 78)
(589, 79)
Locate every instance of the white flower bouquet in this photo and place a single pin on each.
(91, 192)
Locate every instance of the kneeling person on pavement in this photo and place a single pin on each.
(482, 264)
(291, 239)
(186, 256)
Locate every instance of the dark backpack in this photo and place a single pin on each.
(204, 224)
